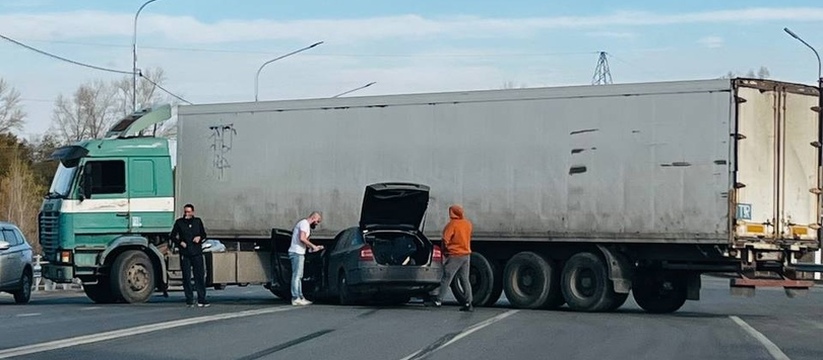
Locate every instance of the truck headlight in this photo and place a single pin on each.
(65, 256)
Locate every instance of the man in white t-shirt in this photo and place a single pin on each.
(297, 254)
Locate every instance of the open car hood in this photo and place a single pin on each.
(394, 205)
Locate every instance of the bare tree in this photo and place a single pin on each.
(147, 91)
(512, 85)
(762, 73)
(11, 111)
(87, 114)
(20, 198)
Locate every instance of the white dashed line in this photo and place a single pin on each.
(466, 332)
(116, 334)
(28, 315)
(768, 344)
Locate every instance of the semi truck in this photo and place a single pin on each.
(579, 195)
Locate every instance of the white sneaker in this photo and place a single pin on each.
(306, 302)
(297, 302)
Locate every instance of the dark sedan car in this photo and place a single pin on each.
(385, 259)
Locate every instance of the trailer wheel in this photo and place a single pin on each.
(659, 292)
(486, 281)
(132, 277)
(586, 285)
(529, 281)
(618, 301)
(100, 293)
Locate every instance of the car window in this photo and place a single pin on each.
(10, 237)
(2, 237)
(20, 238)
(357, 239)
(343, 240)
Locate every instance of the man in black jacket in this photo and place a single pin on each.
(189, 233)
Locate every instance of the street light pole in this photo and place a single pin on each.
(819, 112)
(134, 58)
(257, 77)
(355, 89)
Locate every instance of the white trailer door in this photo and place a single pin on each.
(756, 177)
(799, 178)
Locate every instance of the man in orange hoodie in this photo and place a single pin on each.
(457, 237)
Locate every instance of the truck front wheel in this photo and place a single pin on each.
(100, 293)
(660, 291)
(132, 276)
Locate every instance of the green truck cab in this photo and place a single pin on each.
(108, 212)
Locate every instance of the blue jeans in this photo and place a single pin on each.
(296, 275)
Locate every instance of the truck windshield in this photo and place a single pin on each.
(61, 185)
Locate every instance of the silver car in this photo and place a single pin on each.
(15, 263)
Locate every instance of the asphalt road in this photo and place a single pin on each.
(250, 323)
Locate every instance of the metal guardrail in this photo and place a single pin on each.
(41, 284)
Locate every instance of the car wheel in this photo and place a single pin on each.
(23, 295)
(345, 295)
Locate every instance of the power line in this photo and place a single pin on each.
(91, 66)
(168, 92)
(62, 58)
(317, 54)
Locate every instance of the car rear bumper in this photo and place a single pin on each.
(378, 278)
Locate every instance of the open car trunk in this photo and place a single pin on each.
(399, 248)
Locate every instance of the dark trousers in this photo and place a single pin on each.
(187, 263)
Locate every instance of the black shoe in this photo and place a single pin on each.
(467, 308)
(190, 303)
(203, 304)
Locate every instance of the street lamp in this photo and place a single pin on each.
(134, 53)
(257, 77)
(134, 63)
(819, 106)
(355, 89)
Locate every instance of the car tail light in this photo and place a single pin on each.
(437, 254)
(366, 254)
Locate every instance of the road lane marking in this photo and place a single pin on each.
(28, 315)
(455, 337)
(90, 308)
(286, 345)
(768, 344)
(143, 329)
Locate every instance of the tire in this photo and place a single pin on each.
(618, 301)
(132, 277)
(659, 292)
(345, 296)
(283, 294)
(23, 295)
(586, 285)
(486, 282)
(100, 293)
(529, 281)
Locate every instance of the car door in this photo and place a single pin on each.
(5, 263)
(12, 260)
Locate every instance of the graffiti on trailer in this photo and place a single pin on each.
(222, 139)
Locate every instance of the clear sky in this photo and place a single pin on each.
(211, 49)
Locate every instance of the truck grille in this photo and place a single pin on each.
(48, 225)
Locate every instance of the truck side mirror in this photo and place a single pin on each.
(86, 182)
